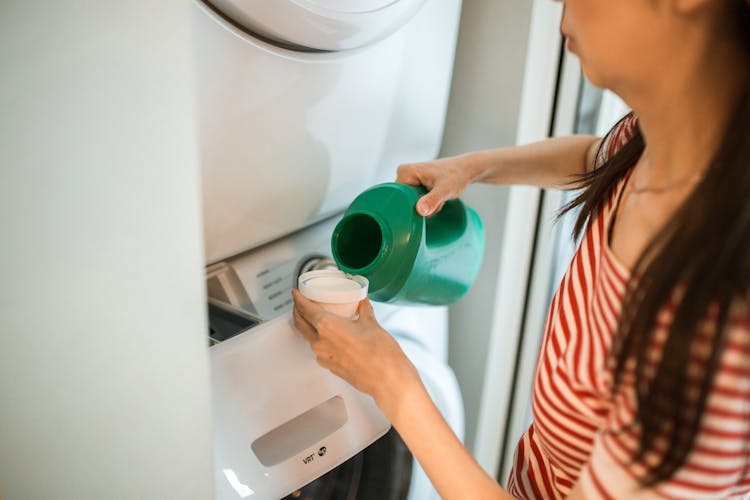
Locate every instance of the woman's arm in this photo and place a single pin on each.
(552, 163)
(361, 352)
(367, 357)
(452, 470)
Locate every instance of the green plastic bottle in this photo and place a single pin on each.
(407, 258)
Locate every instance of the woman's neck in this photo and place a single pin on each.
(683, 117)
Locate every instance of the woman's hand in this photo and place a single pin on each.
(445, 179)
(358, 350)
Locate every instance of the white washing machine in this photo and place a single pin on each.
(302, 105)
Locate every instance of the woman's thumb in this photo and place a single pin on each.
(430, 203)
(365, 310)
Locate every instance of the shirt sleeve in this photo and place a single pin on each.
(718, 464)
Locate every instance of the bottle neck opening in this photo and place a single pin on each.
(358, 243)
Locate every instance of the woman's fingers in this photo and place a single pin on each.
(420, 174)
(307, 316)
(445, 179)
(307, 309)
(314, 322)
(365, 310)
(304, 327)
(408, 173)
(432, 202)
(425, 205)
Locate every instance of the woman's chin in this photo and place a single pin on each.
(593, 77)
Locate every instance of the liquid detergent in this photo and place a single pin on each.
(407, 258)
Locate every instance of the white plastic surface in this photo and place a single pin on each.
(266, 377)
(348, 6)
(289, 138)
(330, 25)
(301, 432)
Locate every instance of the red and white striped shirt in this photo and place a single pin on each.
(581, 431)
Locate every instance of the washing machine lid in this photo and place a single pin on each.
(328, 25)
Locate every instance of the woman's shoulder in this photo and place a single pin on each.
(619, 135)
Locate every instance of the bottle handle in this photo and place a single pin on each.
(446, 226)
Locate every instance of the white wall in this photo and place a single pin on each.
(103, 367)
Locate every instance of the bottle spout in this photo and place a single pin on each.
(358, 242)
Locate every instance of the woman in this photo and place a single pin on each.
(642, 387)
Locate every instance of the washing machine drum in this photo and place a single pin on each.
(318, 25)
(381, 472)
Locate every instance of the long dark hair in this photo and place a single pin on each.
(704, 252)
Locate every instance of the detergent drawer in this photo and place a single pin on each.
(280, 420)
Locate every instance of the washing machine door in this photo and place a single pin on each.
(327, 25)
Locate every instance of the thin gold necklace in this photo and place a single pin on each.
(668, 187)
